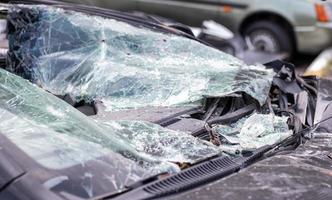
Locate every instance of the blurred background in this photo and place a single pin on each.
(256, 31)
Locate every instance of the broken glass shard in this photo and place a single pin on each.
(60, 136)
(124, 66)
(253, 132)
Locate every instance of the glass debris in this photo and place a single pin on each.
(60, 136)
(124, 66)
(163, 143)
(253, 132)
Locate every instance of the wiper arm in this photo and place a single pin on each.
(194, 176)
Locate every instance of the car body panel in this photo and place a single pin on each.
(310, 36)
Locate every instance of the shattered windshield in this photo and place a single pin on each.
(124, 66)
(58, 136)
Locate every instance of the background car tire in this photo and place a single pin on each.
(268, 36)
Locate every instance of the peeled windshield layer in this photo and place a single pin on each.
(124, 66)
(58, 136)
(253, 132)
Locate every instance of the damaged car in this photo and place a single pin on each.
(98, 104)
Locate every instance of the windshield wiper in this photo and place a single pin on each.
(192, 177)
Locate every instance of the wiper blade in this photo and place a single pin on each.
(227, 118)
(194, 176)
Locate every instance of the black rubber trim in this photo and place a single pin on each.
(257, 154)
(197, 175)
(186, 179)
(9, 169)
(5, 186)
(194, 176)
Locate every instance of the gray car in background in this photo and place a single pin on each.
(274, 25)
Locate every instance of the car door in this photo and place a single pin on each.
(122, 5)
(232, 12)
(190, 12)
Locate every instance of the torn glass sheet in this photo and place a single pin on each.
(124, 66)
(68, 137)
(253, 132)
(163, 143)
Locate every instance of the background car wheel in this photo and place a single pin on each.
(268, 36)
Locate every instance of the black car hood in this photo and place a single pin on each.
(301, 174)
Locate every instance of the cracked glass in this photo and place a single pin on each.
(252, 132)
(53, 121)
(58, 136)
(124, 66)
